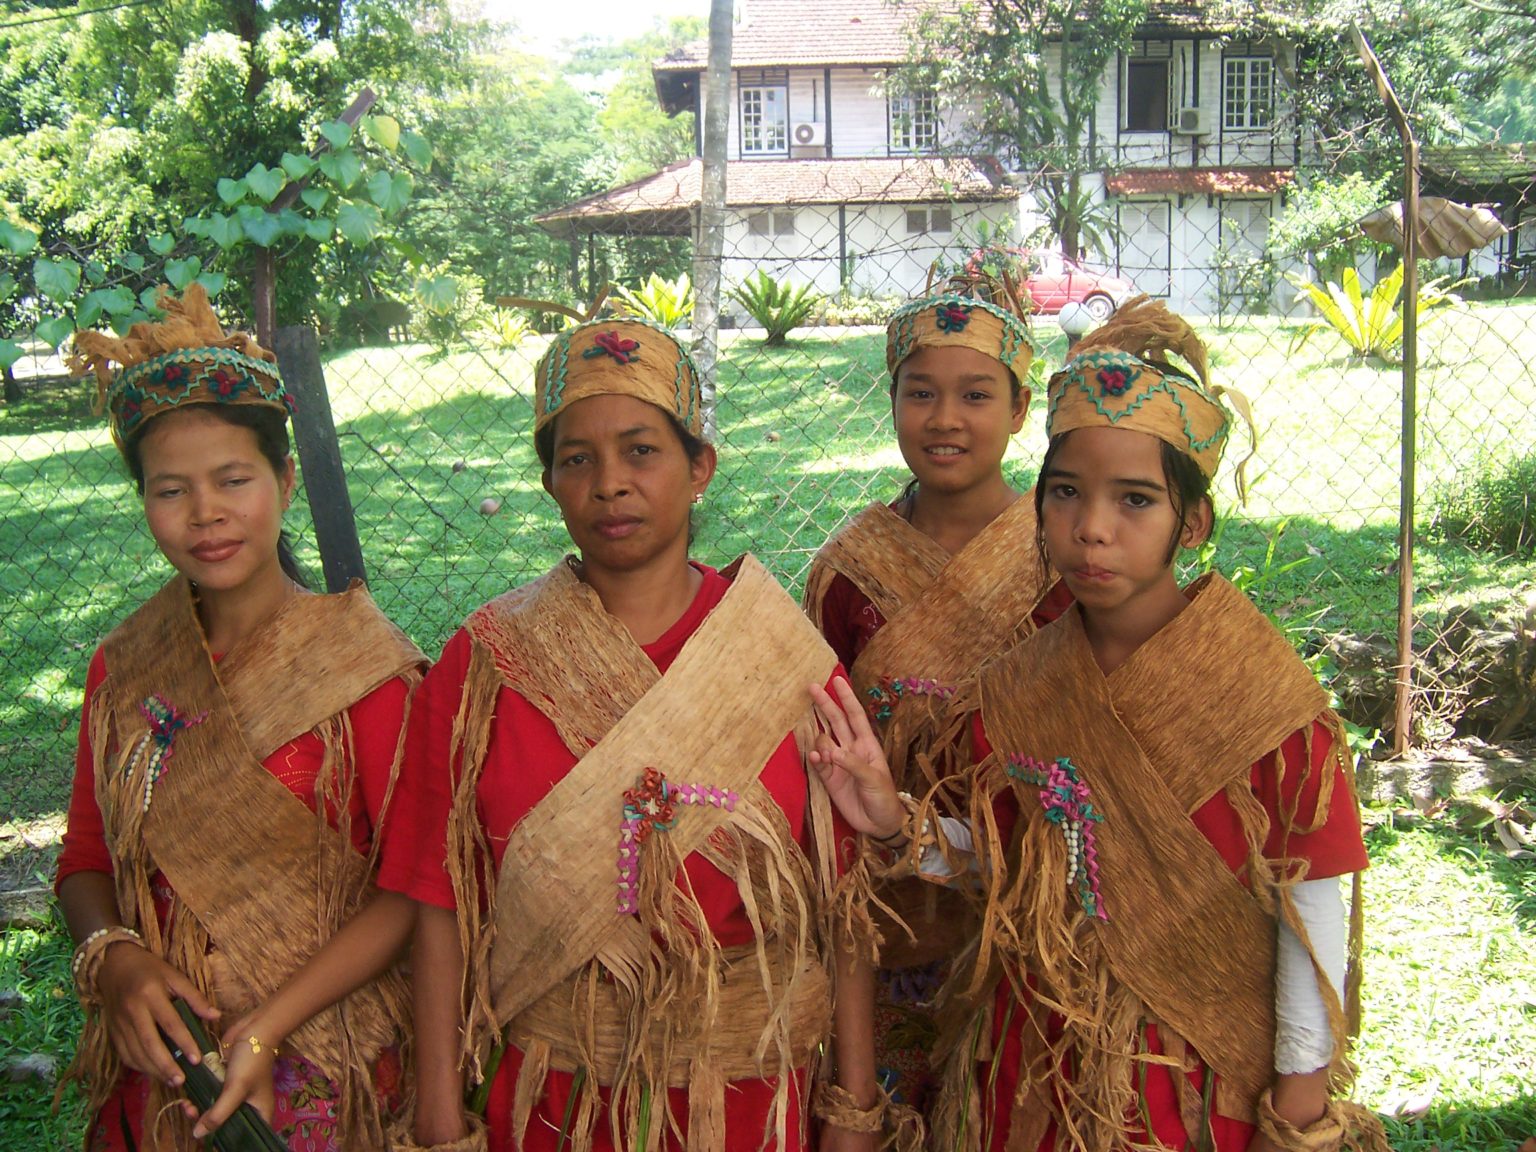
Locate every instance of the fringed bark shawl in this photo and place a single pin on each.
(260, 882)
(1129, 915)
(944, 617)
(641, 1001)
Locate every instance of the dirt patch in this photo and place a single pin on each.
(28, 852)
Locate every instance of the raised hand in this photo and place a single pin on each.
(851, 763)
(136, 989)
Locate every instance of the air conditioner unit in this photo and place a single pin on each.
(1193, 122)
(809, 135)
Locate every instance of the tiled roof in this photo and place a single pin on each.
(659, 204)
(1481, 165)
(776, 33)
(782, 33)
(1202, 181)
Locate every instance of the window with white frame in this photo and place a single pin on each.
(771, 223)
(764, 120)
(923, 220)
(914, 121)
(1247, 92)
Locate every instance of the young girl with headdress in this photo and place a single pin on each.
(237, 746)
(916, 595)
(625, 871)
(1162, 808)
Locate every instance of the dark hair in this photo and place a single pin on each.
(271, 429)
(1187, 487)
(544, 440)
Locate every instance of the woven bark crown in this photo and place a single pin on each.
(618, 357)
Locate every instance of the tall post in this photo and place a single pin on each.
(1407, 492)
(709, 227)
(325, 480)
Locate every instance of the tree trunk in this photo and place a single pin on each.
(709, 227)
(12, 388)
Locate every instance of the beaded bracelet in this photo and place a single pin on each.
(85, 966)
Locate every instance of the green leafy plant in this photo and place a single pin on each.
(778, 307)
(1491, 507)
(507, 330)
(1371, 325)
(665, 302)
(849, 308)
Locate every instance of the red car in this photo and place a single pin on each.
(1052, 280)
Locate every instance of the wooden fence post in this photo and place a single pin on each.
(325, 480)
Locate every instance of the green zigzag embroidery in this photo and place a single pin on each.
(1095, 360)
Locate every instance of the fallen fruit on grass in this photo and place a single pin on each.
(490, 506)
(459, 466)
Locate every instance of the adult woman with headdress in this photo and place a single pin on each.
(237, 745)
(1163, 808)
(615, 837)
(914, 596)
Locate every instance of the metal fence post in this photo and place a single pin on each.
(325, 479)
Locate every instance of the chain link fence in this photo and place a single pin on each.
(434, 421)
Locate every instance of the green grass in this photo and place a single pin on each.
(805, 440)
(46, 1021)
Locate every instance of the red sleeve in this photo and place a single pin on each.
(1057, 599)
(414, 857)
(1284, 782)
(376, 720)
(85, 837)
(849, 619)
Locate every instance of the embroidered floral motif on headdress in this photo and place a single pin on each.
(611, 343)
(952, 317)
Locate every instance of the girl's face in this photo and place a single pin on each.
(212, 501)
(624, 482)
(1107, 519)
(954, 411)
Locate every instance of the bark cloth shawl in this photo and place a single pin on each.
(260, 881)
(944, 617)
(640, 1002)
(1185, 943)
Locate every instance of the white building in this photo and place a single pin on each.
(836, 178)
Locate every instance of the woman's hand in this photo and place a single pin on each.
(136, 989)
(247, 1074)
(851, 763)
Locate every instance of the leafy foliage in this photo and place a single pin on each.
(1319, 221)
(1371, 325)
(777, 306)
(1490, 507)
(666, 302)
(1039, 115)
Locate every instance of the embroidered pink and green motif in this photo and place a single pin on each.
(621, 348)
(952, 317)
(651, 806)
(884, 696)
(193, 375)
(1064, 796)
(165, 721)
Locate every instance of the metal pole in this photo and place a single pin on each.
(1407, 496)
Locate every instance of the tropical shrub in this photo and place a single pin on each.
(665, 302)
(778, 307)
(1491, 507)
(850, 308)
(506, 330)
(1371, 325)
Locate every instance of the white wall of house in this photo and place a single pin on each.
(885, 258)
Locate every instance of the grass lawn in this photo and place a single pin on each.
(804, 441)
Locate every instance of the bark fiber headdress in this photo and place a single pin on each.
(1119, 377)
(972, 311)
(187, 358)
(618, 357)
